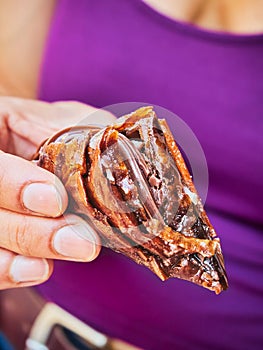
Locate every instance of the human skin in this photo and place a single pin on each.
(235, 16)
(33, 200)
(24, 27)
(31, 216)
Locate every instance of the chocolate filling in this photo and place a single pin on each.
(130, 182)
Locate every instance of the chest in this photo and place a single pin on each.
(213, 84)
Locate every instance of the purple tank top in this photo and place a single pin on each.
(111, 51)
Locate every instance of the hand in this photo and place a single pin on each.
(32, 200)
(24, 124)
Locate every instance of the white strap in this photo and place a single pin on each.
(52, 315)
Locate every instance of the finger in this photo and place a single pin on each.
(27, 188)
(21, 271)
(81, 113)
(67, 238)
(27, 119)
(35, 120)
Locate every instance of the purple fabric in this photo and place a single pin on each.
(110, 51)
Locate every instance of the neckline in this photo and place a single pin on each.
(194, 30)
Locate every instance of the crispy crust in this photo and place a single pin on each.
(119, 179)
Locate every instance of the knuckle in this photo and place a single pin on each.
(3, 125)
(22, 237)
(2, 179)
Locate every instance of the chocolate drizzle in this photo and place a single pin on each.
(132, 185)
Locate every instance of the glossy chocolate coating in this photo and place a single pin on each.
(130, 182)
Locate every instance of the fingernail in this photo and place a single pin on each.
(42, 198)
(76, 241)
(25, 269)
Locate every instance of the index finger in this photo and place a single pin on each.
(26, 188)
